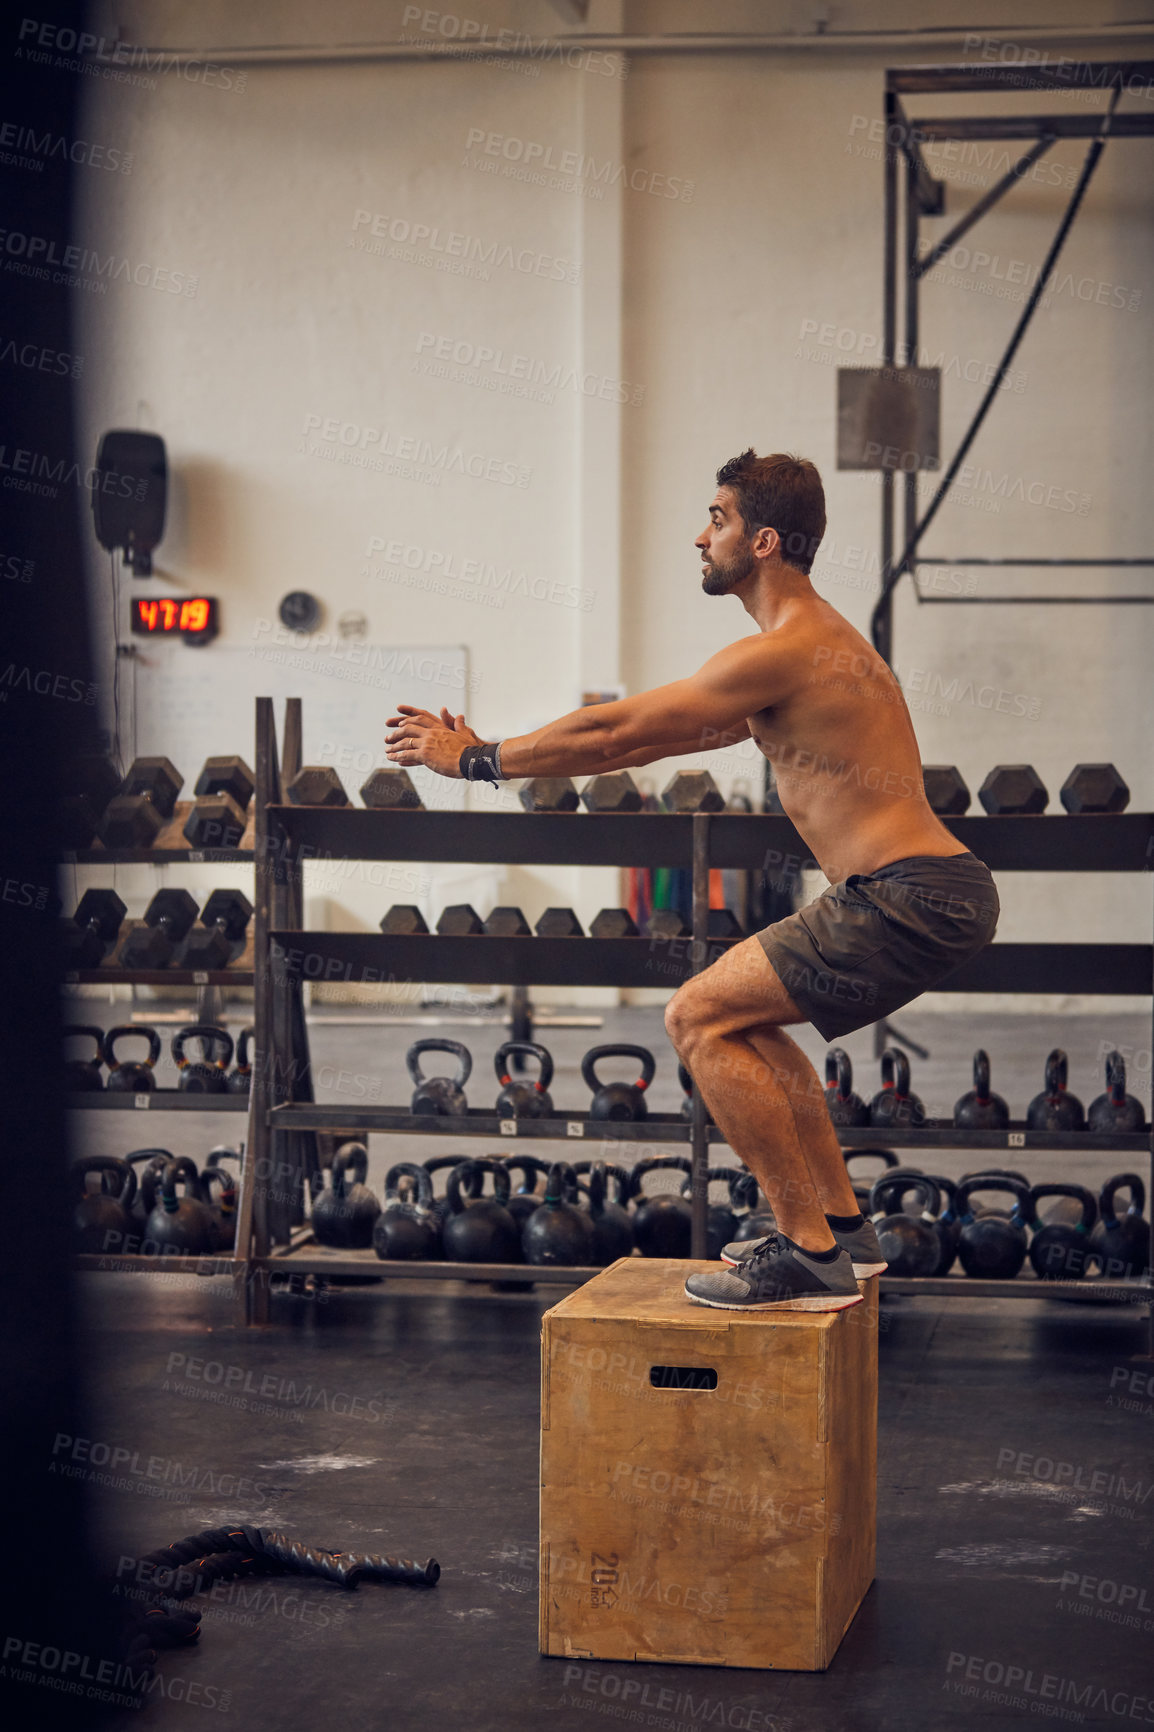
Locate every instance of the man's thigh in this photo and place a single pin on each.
(742, 989)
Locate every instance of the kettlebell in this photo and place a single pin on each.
(239, 1081)
(178, 1226)
(751, 1221)
(343, 1215)
(101, 1221)
(154, 1162)
(438, 1164)
(208, 1077)
(526, 1197)
(980, 1209)
(687, 1085)
(662, 1222)
(980, 1110)
(480, 1230)
(1060, 1250)
(523, 1100)
(618, 1100)
(1055, 1109)
(222, 1210)
(1121, 1243)
(558, 1231)
(894, 1105)
(439, 1094)
(910, 1243)
(947, 1226)
(844, 1107)
(862, 1192)
(407, 1227)
(612, 1223)
(136, 1077)
(720, 1220)
(84, 1073)
(1113, 1111)
(992, 1247)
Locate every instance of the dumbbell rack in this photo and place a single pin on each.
(171, 849)
(286, 956)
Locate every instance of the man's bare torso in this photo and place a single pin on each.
(843, 750)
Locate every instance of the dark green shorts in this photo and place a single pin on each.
(870, 944)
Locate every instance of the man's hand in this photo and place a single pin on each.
(423, 738)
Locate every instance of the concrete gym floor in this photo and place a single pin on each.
(1014, 1482)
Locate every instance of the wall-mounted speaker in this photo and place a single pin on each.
(129, 492)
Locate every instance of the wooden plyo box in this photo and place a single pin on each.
(707, 1476)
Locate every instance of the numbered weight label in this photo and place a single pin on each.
(196, 853)
(508, 1127)
(142, 1102)
(199, 978)
(574, 1128)
(1016, 1140)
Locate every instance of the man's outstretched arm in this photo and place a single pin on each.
(705, 712)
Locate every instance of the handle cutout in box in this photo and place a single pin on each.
(682, 1377)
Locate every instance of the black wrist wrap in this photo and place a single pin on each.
(479, 763)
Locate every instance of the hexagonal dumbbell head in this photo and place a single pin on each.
(91, 781)
(403, 918)
(391, 788)
(693, 791)
(216, 821)
(549, 794)
(158, 779)
(91, 932)
(223, 921)
(147, 797)
(230, 776)
(723, 923)
(945, 790)
(1094, 788)
(459, 920)
(317, 785)
(665, 923)
(1013, 789)
(613, 923)
(559, 923)
(507, 922)
(615, 791)
(167, 919)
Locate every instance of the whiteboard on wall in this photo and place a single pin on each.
(190, 704)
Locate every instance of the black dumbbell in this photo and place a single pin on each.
(136, 815)
(692, 791)
(391, 789)
(90, 782)
(459, 920)
(404, 918)
(167, 920)
(223, 791)
(1013, 788)
(223, 920)
(507, 922)
(613, 923)
(945, 789)
(1094, 788)
(559, 923)
(612, 791)
(548, 794)
(317, 785)
(91, 932)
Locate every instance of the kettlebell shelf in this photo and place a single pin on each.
(157, 1100)
(286, 957)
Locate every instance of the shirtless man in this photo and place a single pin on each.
(906, 904)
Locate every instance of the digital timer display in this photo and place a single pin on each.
(169, 616)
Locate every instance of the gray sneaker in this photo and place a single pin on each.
(778, 1277)
(862, 1245)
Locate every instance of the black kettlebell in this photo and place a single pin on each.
(618, 1100)
(526, 1197)
(440, 1095)
(844, 1107)
(1055, 1109)
(102, 1220)
(893, 1105)
(910, 1243)
(178, 1226)
(663, 1221)
(558, 1232)
(438, 1164)
(407, 1228)
(751, 1221)
(862, 1192)
(222, 1208)
(343, 1215)
(1060, 1250)
(208, 1077)
(239, 1081)
(612, 1223)
(947, 1226)
(687, 1087)
(523, 1100)
(980, 1110)
(992, 1247)
(720, 1220)
(84, 1073)
(480, 1230)
(153, 1162)
(994, 1173)
(1121, 1243)
(136, 1076)
(1113, 1111)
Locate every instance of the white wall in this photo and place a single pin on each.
(703, 306)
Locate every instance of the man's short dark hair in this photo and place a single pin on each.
(783, 493)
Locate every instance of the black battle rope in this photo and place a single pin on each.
(191, 1566)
